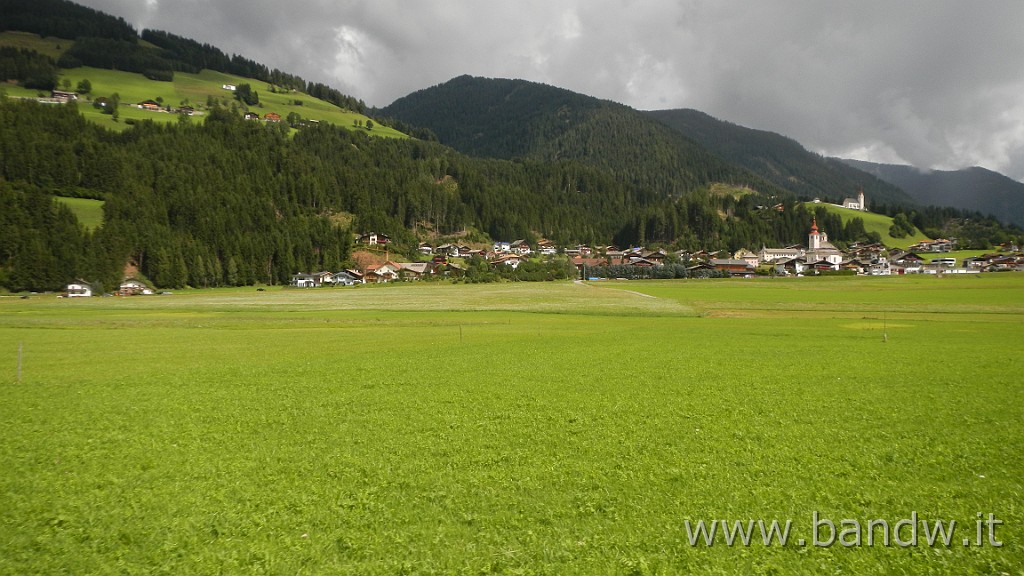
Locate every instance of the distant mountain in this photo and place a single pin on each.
(781, 160)
(511, 119)
(975, 189)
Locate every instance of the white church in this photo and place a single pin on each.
(818, 249)
(857, 203)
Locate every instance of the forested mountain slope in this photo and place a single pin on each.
(508, 119)
(781, 160)
(975, 189)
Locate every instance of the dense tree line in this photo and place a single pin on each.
(42, 245)
(332, 95)
(669, 271)
(28, 67)
(480, 271)
(972, 229)
(116, 54)
(62, 19)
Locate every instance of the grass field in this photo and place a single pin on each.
(48, 46)
(194, 90)
(89, 212)
(873, 223)
(555, 428)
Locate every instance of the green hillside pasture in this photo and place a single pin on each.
(48, 46)
(873, 223)
(521, 428)
(194, 89)
(88, 211)
(958, 254)
(14, 91)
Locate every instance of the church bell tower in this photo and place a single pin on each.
(814, 238)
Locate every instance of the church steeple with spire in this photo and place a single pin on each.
(814, 238)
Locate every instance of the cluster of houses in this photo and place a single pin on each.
(154, 106)
(379, 274)
(63, 97)
(130, 287)
(819, 255)
(268, 117)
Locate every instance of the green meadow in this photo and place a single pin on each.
(192, 89)
(873, 223)
(558, 428)
(48, 46)
(88, 211)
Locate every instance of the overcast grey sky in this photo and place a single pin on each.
(932, 83)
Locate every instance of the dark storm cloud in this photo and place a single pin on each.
(937, 84)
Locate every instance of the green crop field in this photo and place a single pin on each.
(873, 223)
(557, 428)
(88, 211)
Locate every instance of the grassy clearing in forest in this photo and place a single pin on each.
(88, 211)
(528, 428)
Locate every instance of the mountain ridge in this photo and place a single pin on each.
(780, 159)
(991, 193)
(509, 119)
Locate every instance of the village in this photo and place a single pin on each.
(818, 256)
